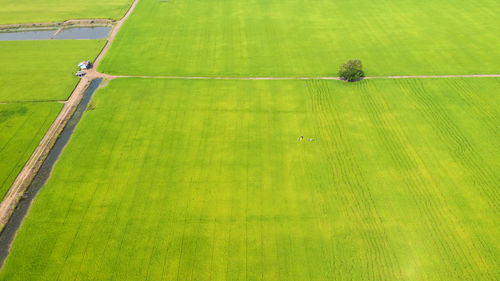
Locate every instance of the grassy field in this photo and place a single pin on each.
(22, 126)
(42, 70)
(206, 180)
(307, 38)
(32, 11)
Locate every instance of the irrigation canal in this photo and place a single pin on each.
(100, 32)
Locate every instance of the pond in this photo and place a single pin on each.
(100, 32)
(84, 33)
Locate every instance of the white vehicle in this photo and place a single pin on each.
(80, 73)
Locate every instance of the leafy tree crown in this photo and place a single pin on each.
(351, 71)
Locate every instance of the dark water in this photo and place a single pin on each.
(84, 33)
(67, 33)
(8, 233)
(27, 35)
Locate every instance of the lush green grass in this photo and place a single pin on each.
(22, 126)
(205, 180)
(42, 69)
(307, 38)
(31, 11)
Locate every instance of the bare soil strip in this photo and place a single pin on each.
(433, 76)
(108, 76)
(113, 33)
(33, 164)
(46, 25)
(57, 32)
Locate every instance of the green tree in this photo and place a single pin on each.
(351, 71)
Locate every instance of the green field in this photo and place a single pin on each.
(206, 180)
(307, 38)
(22, 126)
(42, 70)
(33, 11)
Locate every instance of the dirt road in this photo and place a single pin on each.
(55, 25)
(108, 76)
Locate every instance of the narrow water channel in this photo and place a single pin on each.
(8, 233)
(27, 35)
(84, 33)
(100, 32)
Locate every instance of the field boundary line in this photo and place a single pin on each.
(33, 101)
(57, 25)
(30, 169)
(433, 76)
(110, 76)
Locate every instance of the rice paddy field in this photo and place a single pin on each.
(42, 70)
(31, 11)
(22, 126)
(307, 38)
(298, 179)
(207, 180)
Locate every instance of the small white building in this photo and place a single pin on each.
(84, 65)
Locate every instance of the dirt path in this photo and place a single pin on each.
(433, 76)
(14, 102)
(108, 76)
(113, 33)
(54, 25)
(57, 32)
(31, 167)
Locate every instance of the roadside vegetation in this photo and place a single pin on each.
(186, 179)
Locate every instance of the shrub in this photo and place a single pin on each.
(351, 71)
(92, 105)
